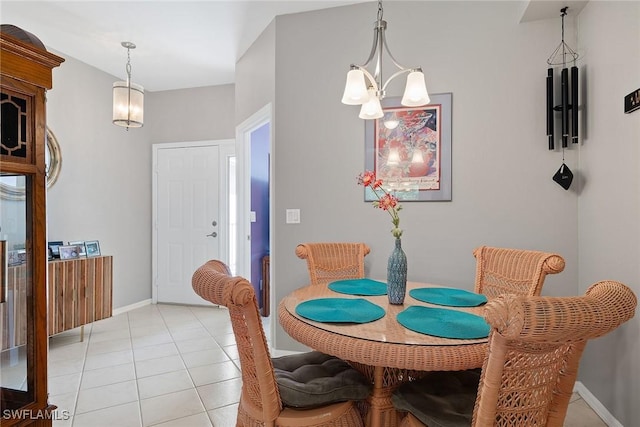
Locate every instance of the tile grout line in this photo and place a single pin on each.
(135, 372)
(206, 412)
(84, 361)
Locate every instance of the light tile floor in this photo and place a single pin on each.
(163, 365)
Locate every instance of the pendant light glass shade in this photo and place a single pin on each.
(355, 90)
(415, 92)
(372, 108)
(128, 104)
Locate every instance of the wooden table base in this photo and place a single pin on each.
(378, 409)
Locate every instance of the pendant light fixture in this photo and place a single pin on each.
(128, 98)
(366, 89)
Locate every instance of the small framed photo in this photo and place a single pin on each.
(69, 252)
(80, 244)
(92, 247)
(53, 248)
(14, 258)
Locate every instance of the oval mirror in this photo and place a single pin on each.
(12, 187)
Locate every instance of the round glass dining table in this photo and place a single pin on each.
(384, 350)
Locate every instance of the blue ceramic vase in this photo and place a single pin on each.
(397, 274)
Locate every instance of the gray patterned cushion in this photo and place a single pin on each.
(440, 399)
(314, 379)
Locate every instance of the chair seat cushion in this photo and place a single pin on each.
(314, 379)
(440, 399)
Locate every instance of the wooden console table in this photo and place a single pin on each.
(79, 292)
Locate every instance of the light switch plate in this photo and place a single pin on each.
(252, 216)
(293, 216)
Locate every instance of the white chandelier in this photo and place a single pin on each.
(366, 89)
(128, 98)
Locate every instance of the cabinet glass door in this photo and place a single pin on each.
(15, 302)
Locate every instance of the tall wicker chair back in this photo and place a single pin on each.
(260, 400)
(527, 379)
(513, 271)
(333, 261)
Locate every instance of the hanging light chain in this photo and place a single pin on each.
(128, 67)
(129, 46)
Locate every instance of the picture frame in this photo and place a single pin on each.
(83, 250)
(413, 159)
(92, 248)
(54, 246)
(69, 251)
(16, 257)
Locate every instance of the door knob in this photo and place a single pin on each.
(213, 234)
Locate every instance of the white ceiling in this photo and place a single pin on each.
(180, 43)
(545, 9)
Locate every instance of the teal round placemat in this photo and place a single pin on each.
(365, 286)
(342, 310)
(441, 322)
(448, 296)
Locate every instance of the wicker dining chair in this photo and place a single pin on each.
(513, 271)
(308, 389)
(331, 261)
(527, 379)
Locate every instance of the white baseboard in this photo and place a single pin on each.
(130, 307)
(595, 404)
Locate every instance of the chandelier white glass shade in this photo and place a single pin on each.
(366, 89)
(128, 98)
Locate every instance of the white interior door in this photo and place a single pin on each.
(189, 218)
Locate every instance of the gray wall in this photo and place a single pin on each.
(255, 76)
(609, 204)
(197, 114)
(104, 189)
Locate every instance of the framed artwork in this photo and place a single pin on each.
(81, 246)
(409, 148)
(69, 252)
(92, 248)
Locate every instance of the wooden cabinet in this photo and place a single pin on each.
(79, 292)
(25, 75)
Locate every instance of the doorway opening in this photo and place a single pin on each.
(253, 149)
